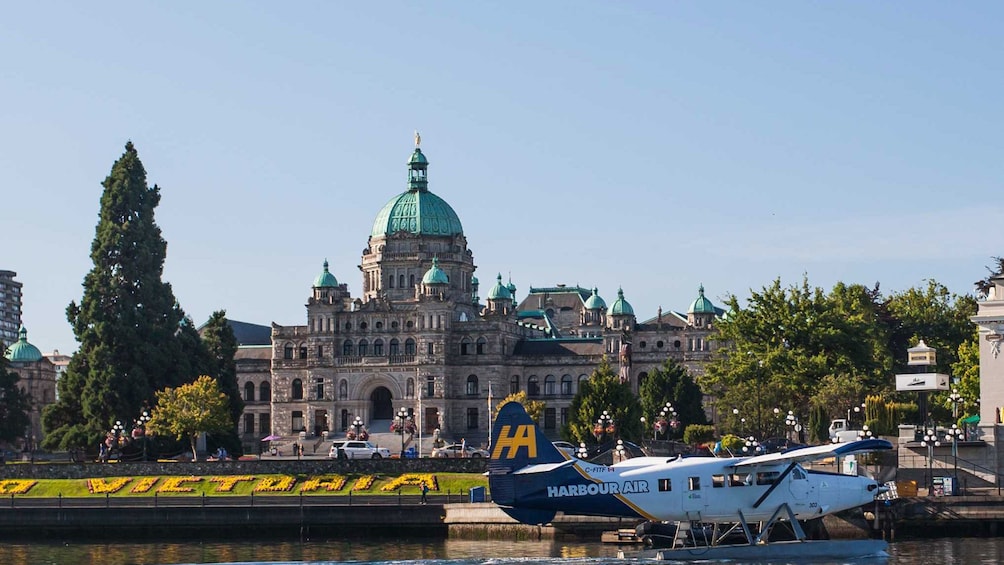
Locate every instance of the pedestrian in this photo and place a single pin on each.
(425, 492)
(463, 447)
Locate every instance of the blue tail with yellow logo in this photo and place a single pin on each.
(517, 443)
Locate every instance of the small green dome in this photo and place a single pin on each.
(594, 302)
(701, 305)
(22, 351)
(417, 158)
(620, 307)
(325, 279)
(435, 275)
(499, 291)
(474, 281)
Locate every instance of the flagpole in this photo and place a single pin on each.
(419, 420)
(489, 414)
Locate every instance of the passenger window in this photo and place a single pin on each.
(665, 485)
(737, 480)
(693, 483)
(798, 474)
(717, 481)
(766, 478)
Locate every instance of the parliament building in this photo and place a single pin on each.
(423, 336)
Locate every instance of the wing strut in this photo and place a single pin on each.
(774, 485)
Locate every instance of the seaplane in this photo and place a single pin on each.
(531, 481)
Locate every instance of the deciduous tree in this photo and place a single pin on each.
(603, 391)
(191, 409)
(14, 405)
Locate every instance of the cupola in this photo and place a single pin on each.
(22, 351)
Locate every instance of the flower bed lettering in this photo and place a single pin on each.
(144, 485)
(16, 486)
(275, 484)
(177, 484)
(101, 486)
(227, 483)
(332, 483)
(411, 479)
(364, 482)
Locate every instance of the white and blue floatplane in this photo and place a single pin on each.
(531, 481)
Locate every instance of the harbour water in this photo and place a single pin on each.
(416, 552)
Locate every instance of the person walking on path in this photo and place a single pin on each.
(463, 447)
(425, 492)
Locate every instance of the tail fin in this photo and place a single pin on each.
(518, 442)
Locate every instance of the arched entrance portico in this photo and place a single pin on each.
(383, 406)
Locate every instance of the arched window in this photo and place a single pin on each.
(319, 389)
(532, 386)
(265, 392)
(578, 385)
(303, 352)
(514, 384)
(409, 346)
(409, 388)
(249, 391)
(411, 281)
(378, 347)
(566, 385)
(343, 390)
(465, 346)
(287, 351)
(482, 346)
(401, 280)
(390, 281)
(549, 385)
(347, 348)
(472, 385)
(297, 389)
(363, 346)
(395, 347)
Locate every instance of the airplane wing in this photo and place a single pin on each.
(543, 467)
(815, 453)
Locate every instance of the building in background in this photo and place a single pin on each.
(418, 339)
(37, 379)
(10, 307)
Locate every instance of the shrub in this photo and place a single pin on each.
(698, 433)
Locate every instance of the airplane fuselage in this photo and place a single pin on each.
(698, 488)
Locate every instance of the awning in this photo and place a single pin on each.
(974, 419)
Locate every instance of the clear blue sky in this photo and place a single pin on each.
(650, 145)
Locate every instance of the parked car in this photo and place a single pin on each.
(362, 450)
(454, 450)
(335, 451)
(566, 447)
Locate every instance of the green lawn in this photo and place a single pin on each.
(455, 483)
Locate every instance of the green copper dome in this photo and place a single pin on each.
(620, 307)
(594, 302)
(417, 210)
(435, 275)
(325, 279)
(499, 291)
(701, 305)
(22, 351)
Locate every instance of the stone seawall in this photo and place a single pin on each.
(263, 467)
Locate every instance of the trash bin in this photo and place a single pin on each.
(477, 494)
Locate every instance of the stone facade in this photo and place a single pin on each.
(418, 338)
(990, 320)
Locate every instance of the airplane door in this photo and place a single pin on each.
(694, 500)
(798, 484)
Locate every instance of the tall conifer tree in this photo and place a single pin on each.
(127, 321)
(14, 405)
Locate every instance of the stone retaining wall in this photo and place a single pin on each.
(266, 467)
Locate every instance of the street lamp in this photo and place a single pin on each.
(791, 421)
(668, 415)
(954, 433)
(620, 450)
(604, 424)
(402, 416)
(141, 421)
(930, 441)
(955, 398)
(117, 431)
(583, 452)
(865, 433)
